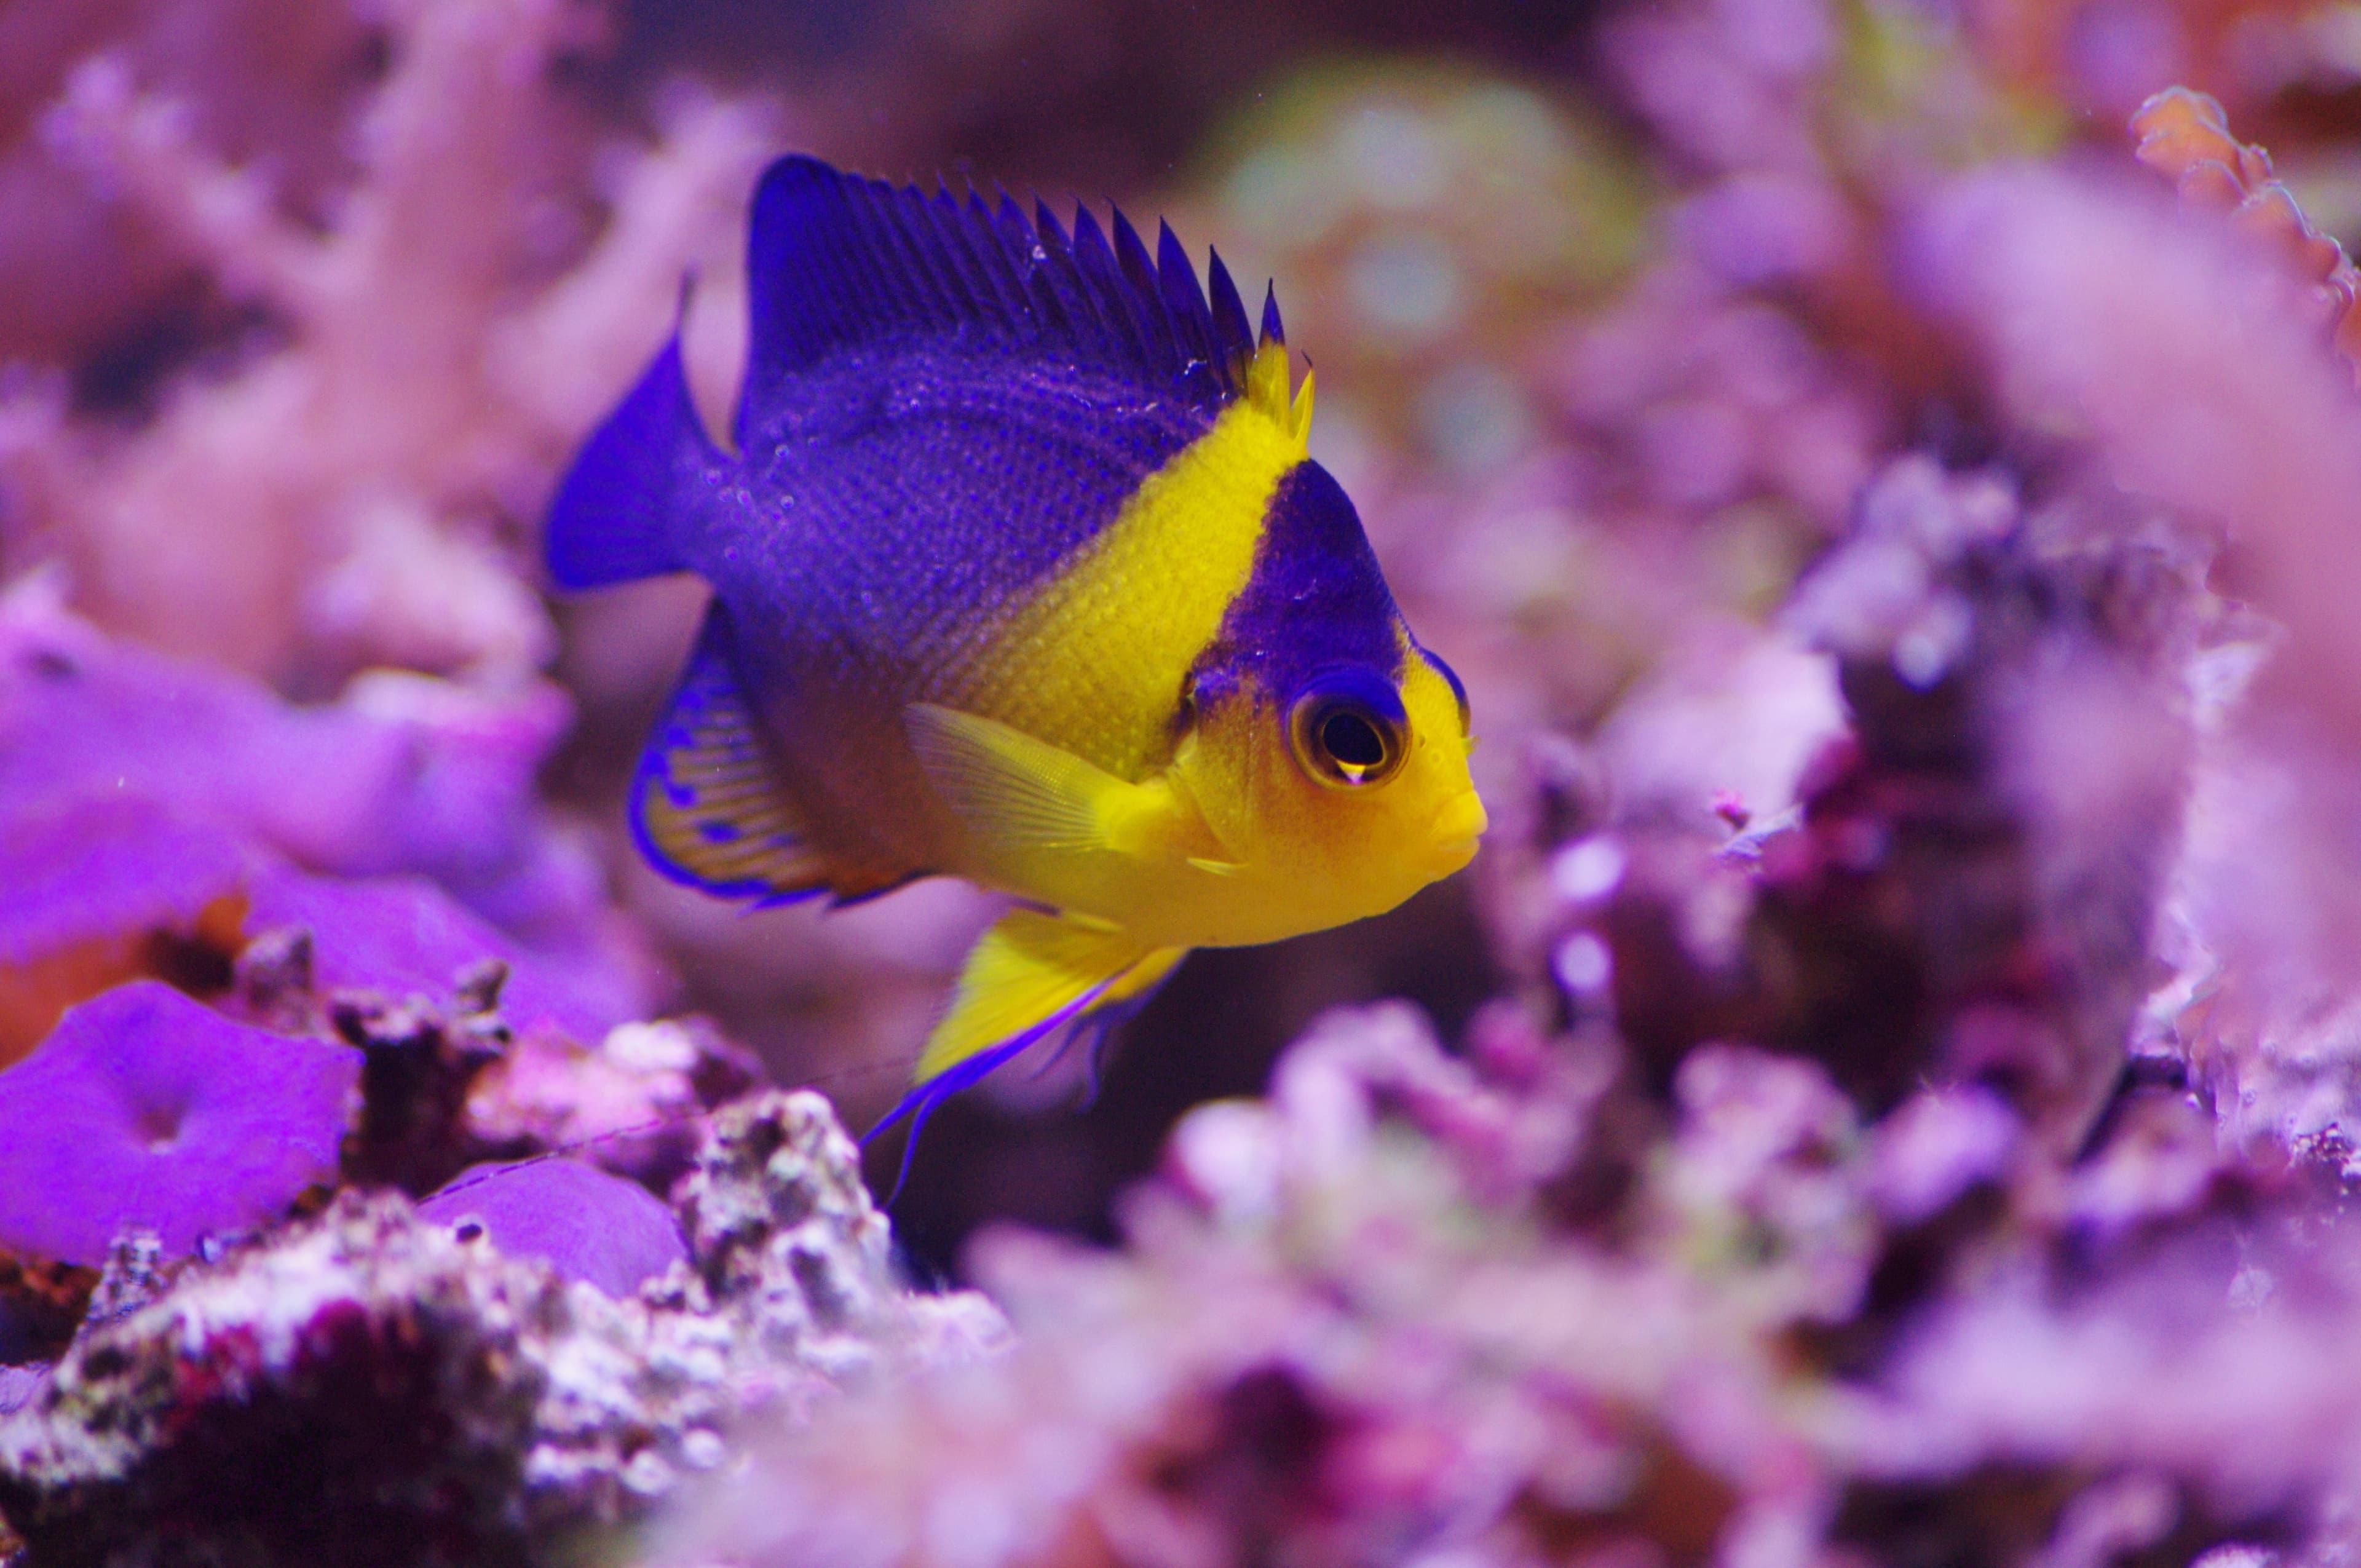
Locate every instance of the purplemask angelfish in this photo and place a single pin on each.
(1022, 574)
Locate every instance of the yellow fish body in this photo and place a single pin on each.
(1022, 574)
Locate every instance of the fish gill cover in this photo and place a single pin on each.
(1885, 1093)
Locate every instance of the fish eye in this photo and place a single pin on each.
(1349, 732)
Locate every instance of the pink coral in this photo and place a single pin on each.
(347, 500)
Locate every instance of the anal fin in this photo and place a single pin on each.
(1028, 977)
(706, 806)
(1028, 974)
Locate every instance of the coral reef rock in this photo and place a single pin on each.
(378, 1386)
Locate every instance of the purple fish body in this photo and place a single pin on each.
(1020, 572)
(944, 401)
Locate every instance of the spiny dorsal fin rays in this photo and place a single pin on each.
(1017, 237)
(900, 271)
(836, 262)
(1232, 339)
(1127, 316)
(1184, 300)
(972, 278)
(968, 225)
(1141, 275)
(1050, 303)
(1266, 377)
(1095, 261)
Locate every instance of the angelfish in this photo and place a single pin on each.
(1022, 574)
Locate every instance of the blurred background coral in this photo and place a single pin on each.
(1897, 521)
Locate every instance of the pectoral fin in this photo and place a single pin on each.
(1017, 794)
(1030, 975)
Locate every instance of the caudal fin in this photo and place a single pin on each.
(634, 490)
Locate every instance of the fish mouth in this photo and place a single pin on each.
(1457, 826)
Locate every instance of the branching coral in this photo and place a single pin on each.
(1346, 1330)
(2183, 136)
(351, 497)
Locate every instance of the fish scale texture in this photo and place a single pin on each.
(923, 494)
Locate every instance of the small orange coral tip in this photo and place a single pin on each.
(2179, 104)
(2177, 130)
(2185, 135)
(2321, 257)
(2328, 303)
(2270, 213)
(2180, 149)
(2210, 185)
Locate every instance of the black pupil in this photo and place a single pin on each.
(1352, 740)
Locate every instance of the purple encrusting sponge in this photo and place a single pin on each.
(583, 1222)
(144, 1108)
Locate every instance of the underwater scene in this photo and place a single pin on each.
(1089, 784)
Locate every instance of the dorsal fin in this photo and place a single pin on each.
(837, 264)
(1095, 259)
(1233, 343)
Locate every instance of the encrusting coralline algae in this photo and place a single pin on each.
(1902, 558)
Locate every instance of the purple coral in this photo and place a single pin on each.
(580, 1220)
(404, 777)
(403, 935)
(148, 1109)
(100, 892)
(105, 870)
